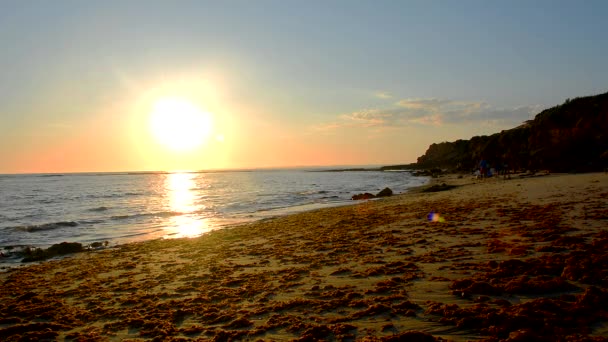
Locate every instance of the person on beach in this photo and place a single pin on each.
(498, 169)
(483, 168)
(505, 171)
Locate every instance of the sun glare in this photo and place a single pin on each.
(182, 199)
(178, 124)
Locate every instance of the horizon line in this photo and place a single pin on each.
(218, 170)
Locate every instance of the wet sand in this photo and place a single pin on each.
(520, 259)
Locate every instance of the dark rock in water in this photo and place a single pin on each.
(99, 244)
(65, 248)
(96, 244)
(363, 196)
(385, 193)
(38, 254)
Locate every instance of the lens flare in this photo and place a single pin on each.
(435, 217)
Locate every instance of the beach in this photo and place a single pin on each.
(518, 259)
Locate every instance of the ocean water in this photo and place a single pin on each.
(41, 210)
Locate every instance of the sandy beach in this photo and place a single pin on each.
(519, 259)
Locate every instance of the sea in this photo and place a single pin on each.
(39, 210)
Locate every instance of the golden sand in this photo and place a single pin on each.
(508, 259)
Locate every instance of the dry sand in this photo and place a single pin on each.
(520, 259)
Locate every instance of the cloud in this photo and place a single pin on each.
(436, 112)
(428, 104)
(429, 120)
(383, 95)
(368, 117)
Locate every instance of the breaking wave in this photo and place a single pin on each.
(102, 208)
(46, 226)
(156, 214)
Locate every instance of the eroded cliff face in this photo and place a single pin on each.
(571, 137)
(447, 155)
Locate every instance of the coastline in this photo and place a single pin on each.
(373, 269)
(128, 208)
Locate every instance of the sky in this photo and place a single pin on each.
(280, 83)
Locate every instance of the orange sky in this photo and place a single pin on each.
(116, 136)
(309, 83)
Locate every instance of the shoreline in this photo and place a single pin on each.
(373, 269)
(103, 216)
(13, 254)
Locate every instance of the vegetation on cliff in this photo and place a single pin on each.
(572, 137)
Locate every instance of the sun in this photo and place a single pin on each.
(178, 124)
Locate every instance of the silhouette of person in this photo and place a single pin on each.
(483, 168)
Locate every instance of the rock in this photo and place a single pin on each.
(439, 187)
(420, 173)
(97, 245)
(363, 196)
(38, 254)
(385, 193)
(65, 248)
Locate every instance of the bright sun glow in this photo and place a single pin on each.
(178, 124)
(182, 199)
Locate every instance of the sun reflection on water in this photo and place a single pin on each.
(182, 201)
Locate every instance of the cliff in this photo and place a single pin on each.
(571, 137)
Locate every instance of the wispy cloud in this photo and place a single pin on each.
(383, 95)
(435, 112)
(368, 117)
(427, 104)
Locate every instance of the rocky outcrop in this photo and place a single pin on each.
(386, 192)
(38, 254)
(363, 196)
(571, 137)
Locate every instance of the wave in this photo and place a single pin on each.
(115, 195)
(156, 214)
(102, 208)
(63, 224)
(313, 192)
(91, 221)
(46, 226)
